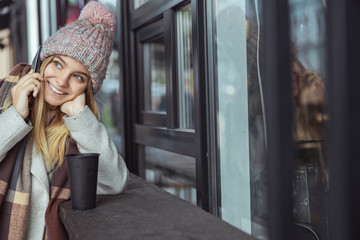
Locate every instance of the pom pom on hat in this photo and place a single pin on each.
(97, 13)
(89, 40)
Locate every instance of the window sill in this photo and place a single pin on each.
(145, 211)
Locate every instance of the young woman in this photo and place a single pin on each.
(47, 114)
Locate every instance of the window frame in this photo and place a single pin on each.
(277, 96)
(150, 128)
(344, 125)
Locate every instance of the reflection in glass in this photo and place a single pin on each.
(185, 68)
(310, 184)
(155, 75)
(239, 76)
(138, 3)
(230, 39)
(173, 172)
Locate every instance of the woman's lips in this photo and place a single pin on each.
(55, 90)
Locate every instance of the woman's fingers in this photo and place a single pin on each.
(36, 90)
(29, 77)
(30, 83)
(31, 86)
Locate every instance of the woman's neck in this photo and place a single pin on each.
(50, 114)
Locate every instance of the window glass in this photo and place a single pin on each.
(238, 71)
(138, 3)
(173, 172)
(155, 75)
(310, 183)
(73, 10)
(6, 52)
(109, 97)
(185, 68)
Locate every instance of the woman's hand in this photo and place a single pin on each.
(75, 106)
(30, 83)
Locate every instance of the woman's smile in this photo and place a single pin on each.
(55, 90)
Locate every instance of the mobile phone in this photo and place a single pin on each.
(36, 61)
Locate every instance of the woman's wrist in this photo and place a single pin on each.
(75, 111)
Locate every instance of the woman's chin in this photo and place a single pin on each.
(51, 106)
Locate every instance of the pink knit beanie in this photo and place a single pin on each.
(88, 40)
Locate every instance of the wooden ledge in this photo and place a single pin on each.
(145, 211)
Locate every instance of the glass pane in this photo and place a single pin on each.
(185, 68)
(173, 172)
(155, 75)
(256, 119)
(238, 67)
(310, 184)
(138, 3)
(108, 99)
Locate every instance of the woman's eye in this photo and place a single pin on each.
(58, 65)
(79, 77)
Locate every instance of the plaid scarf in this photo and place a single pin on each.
(15, 181)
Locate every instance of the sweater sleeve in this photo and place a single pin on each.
(13, 128)
(92, 136)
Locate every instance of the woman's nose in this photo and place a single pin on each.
(62, 81)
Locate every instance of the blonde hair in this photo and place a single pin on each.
(52, 140)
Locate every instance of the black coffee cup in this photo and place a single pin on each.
(83, 174)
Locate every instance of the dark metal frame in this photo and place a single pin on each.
(278, 102)
(339, 128)
(39, 20)
(120, 41)
(171, 70)
(177, 141)
(344, 129)
(206, 168)
(61, 7)
(129, 87)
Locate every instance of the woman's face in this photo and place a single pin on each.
(65, 79)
